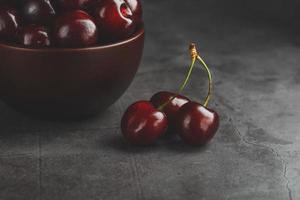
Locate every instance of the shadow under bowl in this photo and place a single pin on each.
(68, 82)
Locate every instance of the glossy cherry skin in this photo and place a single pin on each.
(196, 124)
(115, 19)
(75, 29)
(34, 36)
(143, 124)
(9, 22)
(136, 8)
(74, 4)
(172, 107)
(38, 11)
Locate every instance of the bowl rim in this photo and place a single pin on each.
(135, 36)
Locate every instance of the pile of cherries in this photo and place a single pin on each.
(144, 122)
(68, 23)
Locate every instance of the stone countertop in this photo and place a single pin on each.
(255, 154)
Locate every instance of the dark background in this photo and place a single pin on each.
(253, 50)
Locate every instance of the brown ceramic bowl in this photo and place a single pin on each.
(68, 82)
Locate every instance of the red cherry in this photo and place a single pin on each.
(143, 124)
(38, 11)
(196, 124)
(170, 109)
(73, 4)
(34, 36)
(9, 22)
(75, 29)
(114, 18)
(136, 8)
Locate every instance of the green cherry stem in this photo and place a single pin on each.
(193, 50)
(208, 96)
(194, 56)
(187, 77)
(186, 80)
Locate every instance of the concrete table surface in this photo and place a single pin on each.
(255, 154)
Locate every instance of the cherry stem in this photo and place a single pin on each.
(208, 96)
(193, 51)
(194, 56)
(183, 85)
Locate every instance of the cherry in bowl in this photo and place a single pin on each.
(75, 29)
(9, 22)
(38, 11)
(73, 23)
(136, 9)
(34, 36)
(114, 19)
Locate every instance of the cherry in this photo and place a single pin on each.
(34, 36)
(9, 22)
(143, 124)
(38, 11)
(136, 8)
(196, 124)
(115, 19)
(73, 4)
(75, 29)
(171, 108)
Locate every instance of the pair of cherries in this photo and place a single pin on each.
(68, 23)
(144, 122)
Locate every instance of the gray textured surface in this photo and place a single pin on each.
(255, 155)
